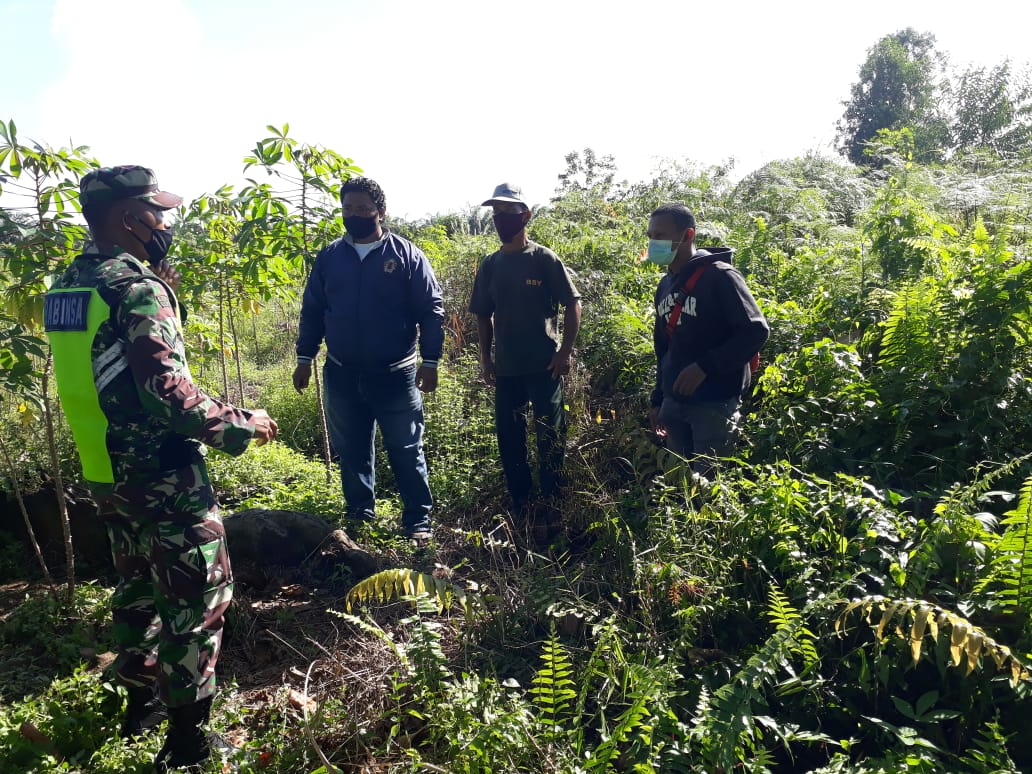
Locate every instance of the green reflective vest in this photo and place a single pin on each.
(72, 317)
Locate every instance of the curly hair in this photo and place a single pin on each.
(367, 186)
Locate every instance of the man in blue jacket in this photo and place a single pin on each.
(708, 329)
(371, 295)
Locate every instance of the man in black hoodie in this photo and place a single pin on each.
(708, 329)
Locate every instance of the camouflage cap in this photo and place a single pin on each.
(111, 184)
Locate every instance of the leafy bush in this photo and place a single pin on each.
(275, 476)
(300, 427)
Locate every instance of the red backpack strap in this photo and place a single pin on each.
(686, 289)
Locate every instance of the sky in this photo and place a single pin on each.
(441, 101)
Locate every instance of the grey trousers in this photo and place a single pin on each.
(701, 432)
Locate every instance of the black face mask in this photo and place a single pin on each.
(508, 224)
(360, 226)
(157, 246)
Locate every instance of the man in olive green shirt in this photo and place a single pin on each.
(516, 298)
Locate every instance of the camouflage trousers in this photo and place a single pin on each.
(175, 581)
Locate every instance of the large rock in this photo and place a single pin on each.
(89, 538)
(291, 538)
(256, 537)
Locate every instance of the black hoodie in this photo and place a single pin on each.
(720, 328)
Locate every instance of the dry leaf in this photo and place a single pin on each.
(301, 702)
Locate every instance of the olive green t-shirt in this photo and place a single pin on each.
(523, 291)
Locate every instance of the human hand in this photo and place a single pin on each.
(265, 427)
(168, 273)
(302, 375)
(426, 379)
(560, 364)
(487, 372)
(657, 427)
(689, 379)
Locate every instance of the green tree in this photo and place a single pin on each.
(35, 244)
(991, 109)
(297, 221)
(587, 172)
(897, 88)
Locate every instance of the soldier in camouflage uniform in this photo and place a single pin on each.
(139, 423)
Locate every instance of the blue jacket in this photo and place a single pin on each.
(370, 311)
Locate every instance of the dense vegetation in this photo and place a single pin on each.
(853, 593)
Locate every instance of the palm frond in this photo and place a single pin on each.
(389, 585)
(912, 620)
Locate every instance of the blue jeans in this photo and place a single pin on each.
(701, 432)
(356, 402)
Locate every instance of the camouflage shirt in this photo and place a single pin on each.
(156, 415)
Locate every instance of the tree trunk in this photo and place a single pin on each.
(254, 334)
(13, 473)
(236, 355)
(327, 455)
(55, 471)
(222, 335)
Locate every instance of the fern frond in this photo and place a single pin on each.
(989, 754)
(955, 522)
(551, 687)
(962, 498)
(905, 330)
(609, 650)
(1011, 567)
(648, 686)
(374, 629)
(389, 585)
(784, 616)
(912, 619)
(633, 719)
(729, 723)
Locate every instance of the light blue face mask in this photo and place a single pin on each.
(661, 251)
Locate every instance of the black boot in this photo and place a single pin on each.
(189, 743)
(143, 710)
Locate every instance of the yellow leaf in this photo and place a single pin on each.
(26, 415)
(958, 638)
(933, 624)
(922, 615)
(999, 656)
(876, 603)
(887, 616)
(973, 649)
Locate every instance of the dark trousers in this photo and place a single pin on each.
(545, 394)
(701, 432)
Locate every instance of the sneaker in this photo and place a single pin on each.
(421, 538)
